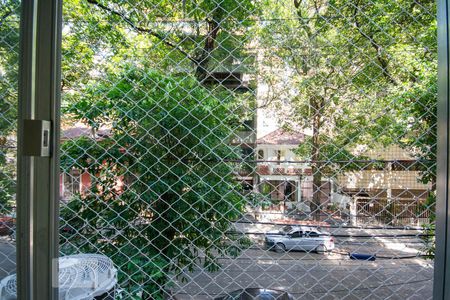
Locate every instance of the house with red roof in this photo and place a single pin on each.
(280, 174)
(77, 181)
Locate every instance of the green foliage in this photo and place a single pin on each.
(168, 143)
(260, 199)
(429, 229)
(333, 207)
(419, 108)
(7, 187)
(166, 31)
(364, 74)
(9, 59)
(334, 156)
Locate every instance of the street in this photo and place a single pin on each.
(386, 242)
(398, 272)
(314, 276)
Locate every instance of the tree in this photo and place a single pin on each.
(169, 37)
(420, 102)
(190, 42)
(406, 49)
(315, 53)
(194, 33)
(169, 146)
(78, 61)
(349, 63)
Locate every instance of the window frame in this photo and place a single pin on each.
(291, 235)
(441, 280)
(38, 178)
(38, 181)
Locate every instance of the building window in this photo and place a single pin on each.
(281, 154)
(247, 186)
(71, 184)
(260, 154)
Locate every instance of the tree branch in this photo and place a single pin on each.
(205, 55)
(382, 61)
(149, 31)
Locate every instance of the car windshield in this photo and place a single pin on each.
(286, 229)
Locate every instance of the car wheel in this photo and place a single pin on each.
(321, 249)
(280, 248)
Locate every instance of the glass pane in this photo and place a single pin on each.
(194, 132)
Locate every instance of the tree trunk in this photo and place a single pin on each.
(203, 59)
(316, 164)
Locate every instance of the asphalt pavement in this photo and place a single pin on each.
(399, 272)
(312, 276)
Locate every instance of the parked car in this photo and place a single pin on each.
(301, 238)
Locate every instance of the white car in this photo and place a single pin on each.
(301, 238)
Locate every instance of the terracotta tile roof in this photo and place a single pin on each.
(282, 137)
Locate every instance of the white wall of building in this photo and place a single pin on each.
(288, 157)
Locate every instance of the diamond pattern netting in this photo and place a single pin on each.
(194, 132)
(9, 61)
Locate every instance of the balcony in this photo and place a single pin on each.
(282, 169)
(375, 179)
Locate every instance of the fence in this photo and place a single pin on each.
(412, 212)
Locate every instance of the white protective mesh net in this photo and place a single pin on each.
(210, 146)
(9, 63)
